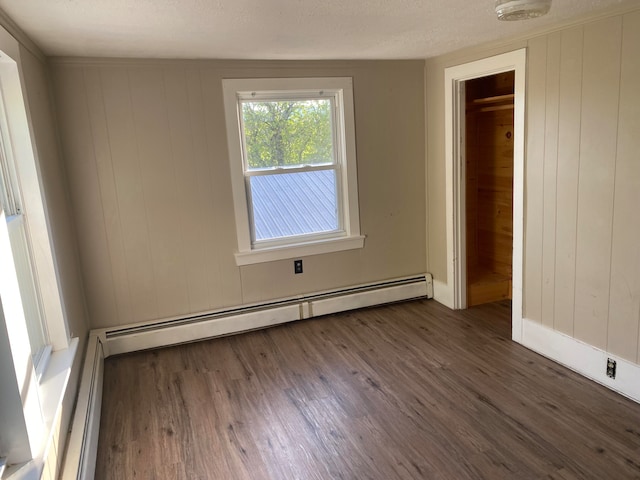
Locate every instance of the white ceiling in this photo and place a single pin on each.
(272, 29)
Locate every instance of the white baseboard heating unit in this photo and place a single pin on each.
(250, 317)
(83, 441)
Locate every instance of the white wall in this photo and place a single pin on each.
(582, 180)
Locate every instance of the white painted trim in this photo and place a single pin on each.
(460, 212)
(303, 250)
(340, 89)
(451, 292)
(54, 382)
(518, 194)
(442, 293)
(51, 392)
(582, 358)
(34, 205)
(82, 447)
(16, 32)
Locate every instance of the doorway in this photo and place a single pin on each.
(488, 159)
(452, 292)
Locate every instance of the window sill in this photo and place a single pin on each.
(302, 250)
(53, 386)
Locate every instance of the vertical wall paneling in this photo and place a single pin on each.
(624, 303)
(186, 182)
(131, 200)
(206, 195)
(436, 181)
(163, 212)
(146, 148)
(600, 90)
(534, 177)
(108, 191)
(550, 168)
(79, 150)
(569, 113)
(582, 179)
(229, 280)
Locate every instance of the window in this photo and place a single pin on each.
(36, 351)
(10, 201)
(293, 166)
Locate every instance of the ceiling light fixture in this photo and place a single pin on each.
(521, 9)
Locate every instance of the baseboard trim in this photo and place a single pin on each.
(442, 293)
(582, 358)
(82, 446)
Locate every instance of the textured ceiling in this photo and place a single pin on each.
(273, 29)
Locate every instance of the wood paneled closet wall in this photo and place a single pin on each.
(489, 187)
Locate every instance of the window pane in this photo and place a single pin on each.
(287, 133)
(291, 204)
(27, 284)
(8, 190)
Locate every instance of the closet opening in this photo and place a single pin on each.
(489, 166)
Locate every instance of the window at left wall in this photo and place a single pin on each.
(36, 348)
(11, 202)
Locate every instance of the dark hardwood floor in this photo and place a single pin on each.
(405, 391)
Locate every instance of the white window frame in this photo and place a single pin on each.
(18, 225)
(347, 237)
(31, 399)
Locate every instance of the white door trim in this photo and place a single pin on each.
(453, 292)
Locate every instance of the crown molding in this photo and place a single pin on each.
(16, 32)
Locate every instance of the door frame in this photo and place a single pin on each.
(453, 293)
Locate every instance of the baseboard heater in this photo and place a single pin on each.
(83, 441)
(250, 317)
(82, 446)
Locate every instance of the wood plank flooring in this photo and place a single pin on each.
(405, 391)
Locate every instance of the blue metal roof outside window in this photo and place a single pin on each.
(291, 204)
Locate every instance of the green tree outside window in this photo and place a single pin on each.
(287, 133)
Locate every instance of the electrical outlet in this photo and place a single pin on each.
(611, 368)
(297, 266)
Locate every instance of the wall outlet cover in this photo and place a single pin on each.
(611, 368)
